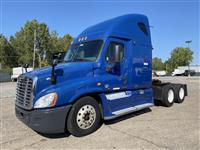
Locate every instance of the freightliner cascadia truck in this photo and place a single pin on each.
(105, 74)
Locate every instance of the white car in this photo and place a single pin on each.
(17, 71)
(178, 72)
(160, 73)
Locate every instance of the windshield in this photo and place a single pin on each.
(87, 51)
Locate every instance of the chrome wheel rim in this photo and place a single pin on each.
(181, 93)
(86, 116)
(170, 96)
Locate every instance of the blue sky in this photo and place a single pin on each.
(173, 22)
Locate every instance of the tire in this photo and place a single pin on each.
(84, 117)
(179, 93)
(168, 95)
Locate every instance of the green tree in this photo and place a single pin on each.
(55, 42)
(157, 64)
(21, 44)
(23, 41)
(8, 56)
(66, 41)
(59, 44)
(169, 67)
(179, 57)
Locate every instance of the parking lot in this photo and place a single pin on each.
(159, 127)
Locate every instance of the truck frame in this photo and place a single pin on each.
(105, 74)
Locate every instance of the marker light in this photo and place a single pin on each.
(48, 100)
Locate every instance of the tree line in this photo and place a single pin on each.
(180, 56)
(18, 49)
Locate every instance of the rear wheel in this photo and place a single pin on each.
(84, 117)
(168, 96)
(179, 93)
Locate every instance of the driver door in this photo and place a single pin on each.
(116, 68)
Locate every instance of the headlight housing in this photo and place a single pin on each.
(48, 100)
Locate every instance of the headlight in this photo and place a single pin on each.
(48, 100)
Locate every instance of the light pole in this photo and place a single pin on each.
(188, 42)
(34, 48)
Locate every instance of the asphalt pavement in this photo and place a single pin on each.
(159, 127)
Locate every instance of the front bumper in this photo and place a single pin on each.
(47, 121)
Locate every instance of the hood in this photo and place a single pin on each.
(63, 73)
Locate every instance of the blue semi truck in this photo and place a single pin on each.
(105, 74)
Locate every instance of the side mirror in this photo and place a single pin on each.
(113, 66)
(55, 62)
(53, 78)
(117, 53)
(25, 66)
(59, 56)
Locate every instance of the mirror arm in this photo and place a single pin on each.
(53, 78)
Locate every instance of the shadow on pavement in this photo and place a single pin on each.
(55, 136)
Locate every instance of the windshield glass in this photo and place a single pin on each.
(87, 51)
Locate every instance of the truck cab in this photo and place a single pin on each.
(105, 74)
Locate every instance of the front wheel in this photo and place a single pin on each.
(84, 117)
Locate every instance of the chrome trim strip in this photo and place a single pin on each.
(128, 110)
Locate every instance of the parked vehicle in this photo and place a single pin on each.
(183, 72)
(178, 72)
(191, 70)
(17, 71)
(189, 73)
(160, 73)
(106, 73)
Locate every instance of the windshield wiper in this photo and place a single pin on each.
(66, 61)
(77, 59)
(81, 59)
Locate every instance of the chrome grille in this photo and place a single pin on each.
(24, 92)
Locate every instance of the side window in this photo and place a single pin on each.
(115, 52)
(143, 28)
